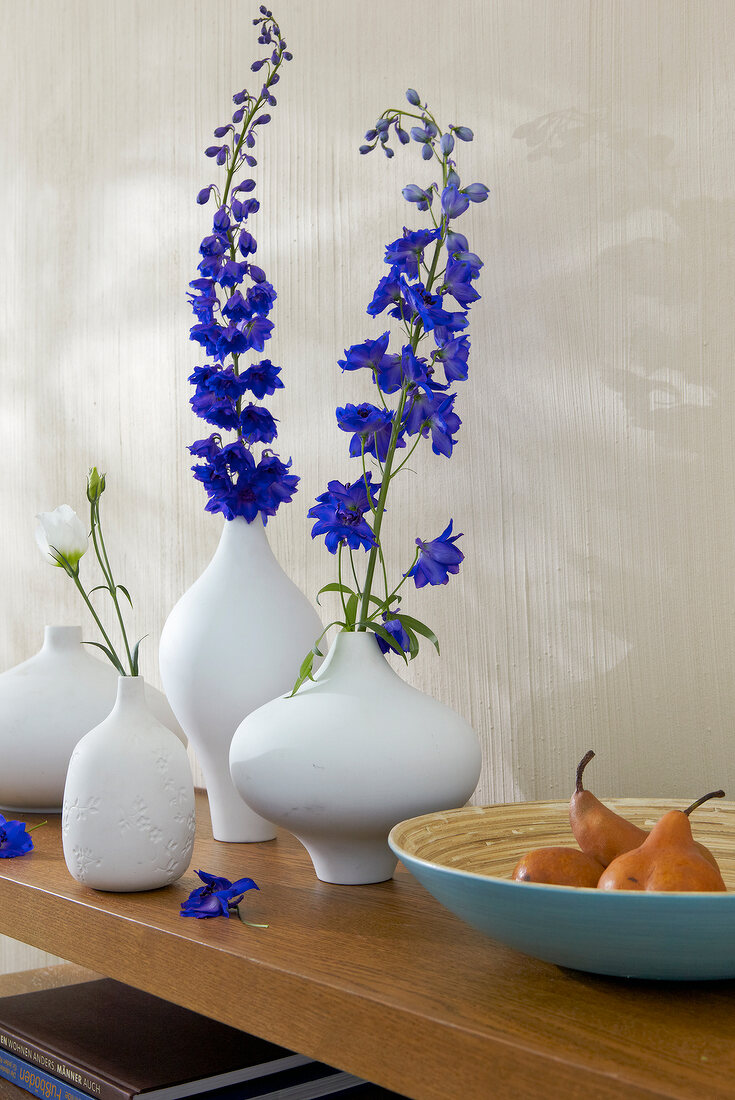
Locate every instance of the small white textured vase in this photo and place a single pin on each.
(234, 640)
(128, 815)
(46, 704)
(349, 756)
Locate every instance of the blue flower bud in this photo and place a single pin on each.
(222, 155)
(452, 178)
(222, 130)
(240, 97)
(370, 135)
(366, 149)
(476, 192)
(288, 56)
(418, 133)
(238, 115)
(463, 132)
(261, 120)
(402, 136)
(212, 150)
(446, 144)
(257, 65)
(427, 152)
(388, 151)
(413, 97)
(414, 193)
(251, 161)
(203, 196)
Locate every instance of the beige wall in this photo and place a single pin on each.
(593, 478)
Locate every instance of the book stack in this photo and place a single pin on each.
(109, 1041)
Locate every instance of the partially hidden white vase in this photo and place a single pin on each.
(47, 704)
(349, 756)
(128, 816)
(234, 640)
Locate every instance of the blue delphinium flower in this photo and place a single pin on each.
(429, 290)
(217, 897)
(436, 559)
(232, 317)
(14, 839)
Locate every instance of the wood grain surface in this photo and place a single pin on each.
(380, 981)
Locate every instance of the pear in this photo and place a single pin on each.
(559, 867)
(598, 830)
(669, 859)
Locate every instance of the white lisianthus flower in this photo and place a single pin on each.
(61, 532)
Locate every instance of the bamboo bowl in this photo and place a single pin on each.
(465, 859)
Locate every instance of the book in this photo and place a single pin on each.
(311, 1081)
(111, 1041)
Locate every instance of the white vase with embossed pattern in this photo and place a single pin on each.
(128, 812)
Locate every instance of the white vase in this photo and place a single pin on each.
(234, 640)
(46, 704)
(128, 815)
(349, 756)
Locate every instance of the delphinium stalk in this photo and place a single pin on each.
(231, 300)
(427, 266)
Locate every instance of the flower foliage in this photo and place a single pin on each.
(217, 897)
(231, 300)
(14, 839)
(62, 539)
(426, 296)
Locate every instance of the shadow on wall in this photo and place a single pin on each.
(631, 642)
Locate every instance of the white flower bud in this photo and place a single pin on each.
(61, 532)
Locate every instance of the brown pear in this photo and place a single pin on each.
(667, 860)
(558, 867)
(598, 830)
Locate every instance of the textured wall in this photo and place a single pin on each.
(593, 475)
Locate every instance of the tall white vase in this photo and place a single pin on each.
(349, 756)
(47, 704)
(234, 640)
(128, 816)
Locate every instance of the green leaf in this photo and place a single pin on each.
(420, 628)
(134, 656)
(351, 610)
(333, 586)
(110, 654)
(123, 589)
(98, 588)
(389, 639)
(305, 670)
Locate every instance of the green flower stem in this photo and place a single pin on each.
(398, 469)
(339, 580)
(112, 587)
(388, 465)
(354, 571)
(75, 577)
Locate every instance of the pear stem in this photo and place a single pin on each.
(704, 798)
(580, 768)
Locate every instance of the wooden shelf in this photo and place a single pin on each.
(379, 980)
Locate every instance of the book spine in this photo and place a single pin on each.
(35, 1081)
(83, 1082)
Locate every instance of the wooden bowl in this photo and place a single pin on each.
(465, 859)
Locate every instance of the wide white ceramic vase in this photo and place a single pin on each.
(128, 814)
(351, 754)
(47, 704)
(234, 640)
